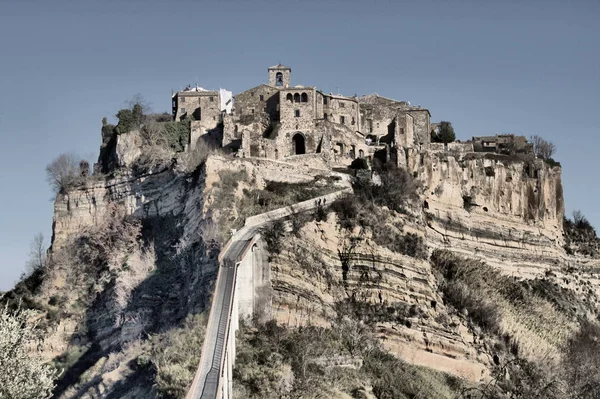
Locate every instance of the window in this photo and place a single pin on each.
(252, 111)
(297, 113)
(289, 97)
(353, 122)
(279, 79)
(352, 106)
(342, 120)
(304, 97)
(182, 110)
(342, 105)
(182, 99)
(325, 116)
(251, 94)
(211, 99)
(325, 100)
(262, 98)
(370, 128)
(296, 98)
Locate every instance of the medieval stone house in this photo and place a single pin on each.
(277, 120)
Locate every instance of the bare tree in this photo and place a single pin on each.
(542, 148)
(37, 254)
(63, 171)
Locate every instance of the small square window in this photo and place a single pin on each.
(182, 110)
(182, 99)
(262, 98)
(211, 99)
(325, 100)
(297, 113)
(342, 105)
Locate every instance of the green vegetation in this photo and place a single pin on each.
(367, 209)
(445, 135)
(173, 356)
(532, 326)
(580, 236)
(274, 361)
(233, 210)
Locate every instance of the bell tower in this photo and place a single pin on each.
(280, 76)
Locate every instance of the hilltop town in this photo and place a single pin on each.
(286, 242)
(278, 120)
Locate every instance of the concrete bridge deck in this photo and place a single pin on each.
(213, 377)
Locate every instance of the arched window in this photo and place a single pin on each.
(289, 97)
(278, 79)
(304, 98)
(296, 98)
(325, 116)
(361, 153)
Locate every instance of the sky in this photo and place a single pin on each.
(487, 66)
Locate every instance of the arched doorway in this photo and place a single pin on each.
(298, 145)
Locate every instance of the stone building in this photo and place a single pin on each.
(278, 120)
(507, 144)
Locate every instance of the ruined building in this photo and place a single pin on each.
(277, 120)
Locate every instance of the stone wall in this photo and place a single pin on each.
(421, 126)
(342, 110)
(196, 105)
(259, 99)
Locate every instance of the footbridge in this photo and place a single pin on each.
(243, 269)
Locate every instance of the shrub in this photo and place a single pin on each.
(581, 363)
(396, 191)
(445, 135)
(359, 163)
(174, 356)
(273, 235)
(22, 375)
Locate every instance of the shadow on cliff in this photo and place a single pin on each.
(180, 285)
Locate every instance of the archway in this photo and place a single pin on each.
(298, 144)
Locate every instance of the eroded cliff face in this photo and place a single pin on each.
(504, 210)
(398, 293)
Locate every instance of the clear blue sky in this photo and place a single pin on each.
(501, 66)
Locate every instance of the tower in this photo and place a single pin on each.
(279, 76)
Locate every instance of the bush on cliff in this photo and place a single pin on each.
(445, 135)
(64, 172)
(173, 356)
(23, 375)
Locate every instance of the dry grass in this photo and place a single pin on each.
(535, 328)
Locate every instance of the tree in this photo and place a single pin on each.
(445, 135)
(37, 254)
(22, 376)
(63, 172)
(542, 148)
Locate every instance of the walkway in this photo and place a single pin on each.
(211, 380)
